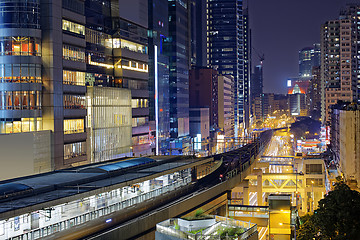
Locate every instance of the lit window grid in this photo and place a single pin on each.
(19, 45)
(20, 73)
(73, 126)
(73, 27)
(24, 125)
(20, 100)
(73, 53)
(73, 150)
(125, 44)
(73, 78)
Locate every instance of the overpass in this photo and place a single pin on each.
(103, 200)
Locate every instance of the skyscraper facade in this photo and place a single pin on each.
(227, 43)
(339, 54)
(178, 51)
(159, 105)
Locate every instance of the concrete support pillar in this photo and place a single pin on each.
(259, 190)
(259, 173)
(246, 196)
(303, 204)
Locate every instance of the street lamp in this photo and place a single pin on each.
(312, 195)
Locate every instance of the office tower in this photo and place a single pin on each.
(178, 50)
(108, 104)
(339, 51)
(309, 57)
(228, 47)
(305, 62)
(130, 23)
(117, 56)
(247, 66)
(43, 82)
(159, 106)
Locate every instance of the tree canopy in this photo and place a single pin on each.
(337, 217)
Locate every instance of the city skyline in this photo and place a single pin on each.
(298, 25)
(165, 119)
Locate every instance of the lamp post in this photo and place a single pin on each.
(312, 195)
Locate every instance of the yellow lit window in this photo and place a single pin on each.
(73, 126)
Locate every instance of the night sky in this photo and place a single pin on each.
(280, 28)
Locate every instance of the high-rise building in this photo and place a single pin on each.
(305, 62)
(178, 50)
(42, 75)
(226, 111)
(117, 56)
(309, 57)
(297, 104)
(345, 129)
(159, 105)
(315, 94)
(339, 51)
(210, 90)
(228, 50)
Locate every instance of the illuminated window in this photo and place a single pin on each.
(99, 38)
(125, 44)
(20, 100)
(73, 53)
(22, 73)
(73, 126)
(73, 27)
(73, 78)
(132, 65)
(74, 101)
(24, 46)
(24, 125)
(73, 150)
(139, 103)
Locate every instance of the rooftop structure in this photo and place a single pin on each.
(212, 227)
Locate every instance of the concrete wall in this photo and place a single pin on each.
(349, 132)
(25, 154)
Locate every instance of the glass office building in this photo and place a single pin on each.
(228, 50)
